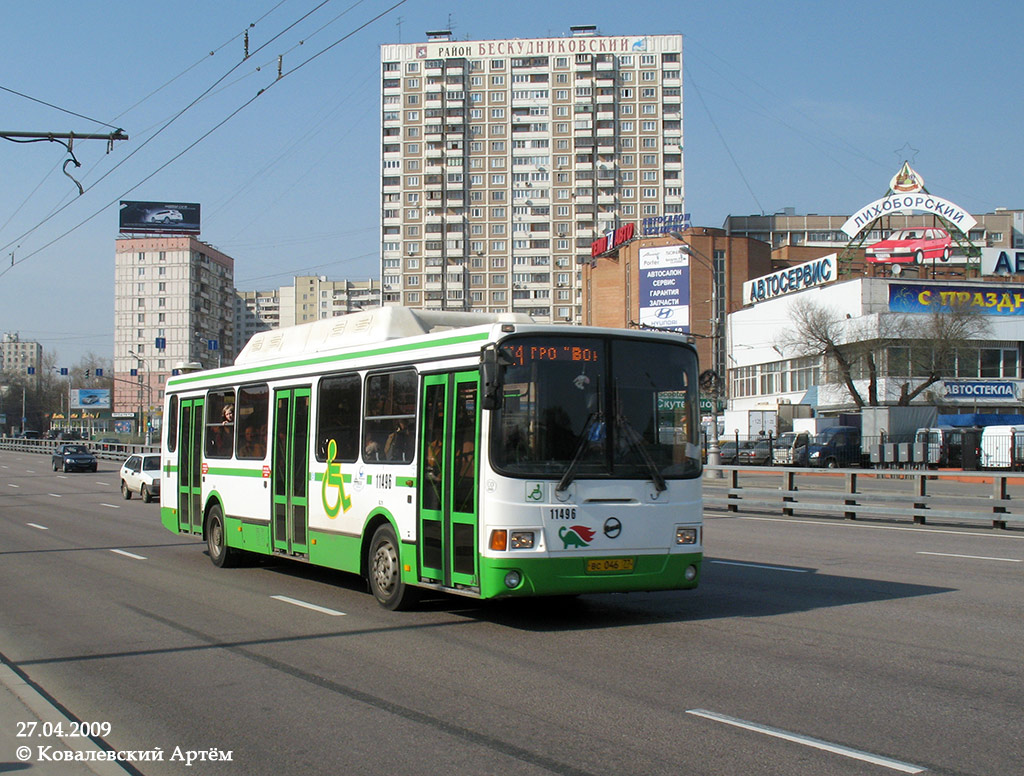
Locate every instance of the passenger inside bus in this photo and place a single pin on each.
(219, 434)
(399, 444)
(253, 444)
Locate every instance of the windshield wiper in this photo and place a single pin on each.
(596, 421)
(636, 443)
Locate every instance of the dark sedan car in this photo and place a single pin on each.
(756, 453)
(72, 458)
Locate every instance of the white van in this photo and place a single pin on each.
(1002, 447)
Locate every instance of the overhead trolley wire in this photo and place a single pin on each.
(150, 139)
(206, 134)
(57, 107)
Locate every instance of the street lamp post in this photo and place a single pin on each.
(714, 448)
(149, 396)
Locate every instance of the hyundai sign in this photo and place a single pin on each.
(165, 217)
(665, 287)
(787, 281)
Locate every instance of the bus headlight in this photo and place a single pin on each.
(513, 579)
(520, 540)
(686, 535)
(690, 574)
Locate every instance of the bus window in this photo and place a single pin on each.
(172, 426)
(338, 417)
(389, 434)
(220, 423)
(253, 401)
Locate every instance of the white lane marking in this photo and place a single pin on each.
(971, 557)
(817, 743)
(760, 566)
(30, 471)
(305, 605)
(56, 495)
(112, 506)
(12, 485)
(129, 554)
(40, 527)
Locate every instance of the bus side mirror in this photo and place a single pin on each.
(491, 374)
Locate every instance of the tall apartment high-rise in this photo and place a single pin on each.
(175, 290)
(503, 160)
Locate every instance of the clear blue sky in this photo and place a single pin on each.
(811, 105)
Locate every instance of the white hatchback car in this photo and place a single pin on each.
(141, 474)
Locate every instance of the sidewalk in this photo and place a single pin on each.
(21, 703)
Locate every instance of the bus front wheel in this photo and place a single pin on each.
(384, 570)
(216, 542)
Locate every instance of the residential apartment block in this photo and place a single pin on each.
(503, 160)
(787, 230)
(17, 355)
(310, 298)
(176, 290)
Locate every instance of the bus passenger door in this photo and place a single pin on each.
(449, 472)
(290, 471)
(190, 463)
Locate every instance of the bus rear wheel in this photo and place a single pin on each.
(384, 571)
(216, 542)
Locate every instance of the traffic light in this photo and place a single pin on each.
(88, 373)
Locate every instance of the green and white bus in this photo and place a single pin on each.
(477, 454)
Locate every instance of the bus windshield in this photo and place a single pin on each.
(596, 407)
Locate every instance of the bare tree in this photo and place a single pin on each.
(933, 339)
(825, 333)
(856, 345)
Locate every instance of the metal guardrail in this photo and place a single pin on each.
(114, 452)
(849, 493)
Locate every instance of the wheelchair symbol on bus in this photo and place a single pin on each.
(333, 479)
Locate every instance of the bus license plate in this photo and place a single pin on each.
(602, 565)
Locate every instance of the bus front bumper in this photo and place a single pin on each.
(512, 577)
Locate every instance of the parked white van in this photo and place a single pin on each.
(1002, 447)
